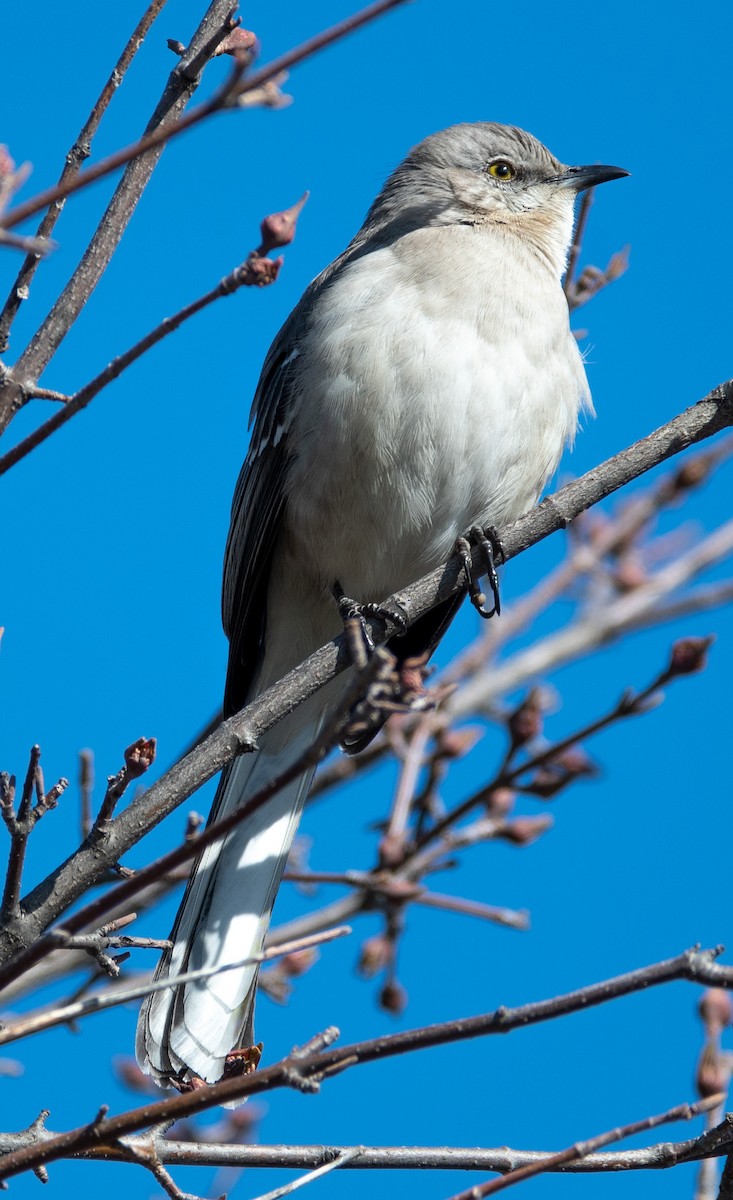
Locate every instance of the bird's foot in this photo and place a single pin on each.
(489, 542)
(399, 687)
(191, 1084)
(354, 616)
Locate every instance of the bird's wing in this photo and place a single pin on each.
(257, 513)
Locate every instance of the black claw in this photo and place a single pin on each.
(354, 615)
(393, 612)
(358, 637)
(489, 542)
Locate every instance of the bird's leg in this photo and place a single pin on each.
(354, 615)
(489, 542)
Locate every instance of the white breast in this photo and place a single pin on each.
(431, 400)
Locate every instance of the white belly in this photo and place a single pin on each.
(446, 421)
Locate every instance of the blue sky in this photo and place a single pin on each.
(114, 531)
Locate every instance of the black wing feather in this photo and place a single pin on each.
(257, 512)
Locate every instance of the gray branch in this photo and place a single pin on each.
(240, 733)
(181, 85)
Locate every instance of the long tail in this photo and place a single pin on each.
(190, 1029)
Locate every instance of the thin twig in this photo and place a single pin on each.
(237, 734)
(61, 1015)
(241, 276)
(682, 1112)
(344, 1157)
(224, 98)
(18, 828)
(181, 85)
(192, 848)
(308, 1067)
(80, 150)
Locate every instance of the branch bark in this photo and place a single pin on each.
(305, 1067)
(75, 157)
(240, 732)
(181, 85)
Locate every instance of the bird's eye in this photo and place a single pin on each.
(501, 169)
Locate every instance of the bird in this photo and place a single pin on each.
(425, 385)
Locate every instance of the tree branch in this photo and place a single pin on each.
(226, 97)
(581, 1150)
(255, 271)
(240, 732)
(72, 164)
(182, 83)
(305, 1067)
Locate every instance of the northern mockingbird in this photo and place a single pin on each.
(426, 383)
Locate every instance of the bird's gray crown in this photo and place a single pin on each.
(474, 147)
(466, 172)
(484, 175)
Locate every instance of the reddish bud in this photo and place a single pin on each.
(525, 723)
(689, 655)
(297, 963)
(279, 228)
(501, 802)
(139, 756)
(525, 830)
(551, 778)
(238, 42)
(546, 783)
(376, 954)
(393, 997)
(692, 473)
(716, 1009)
(629, 574)
(713, 1071)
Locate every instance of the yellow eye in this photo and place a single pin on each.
(501, 169)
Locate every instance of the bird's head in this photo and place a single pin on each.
(489, 174)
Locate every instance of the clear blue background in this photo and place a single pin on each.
(113, 534)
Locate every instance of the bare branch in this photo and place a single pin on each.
(21, 824)
(240, 732)
(256, 271)
(172, 1152)
(683, 1112)
(182, 83)
(80, 150)
(227, 97)
(13, 1031)
(341, 1159)
(372, 672)
(306, 1067)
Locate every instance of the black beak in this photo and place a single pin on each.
(580, 178)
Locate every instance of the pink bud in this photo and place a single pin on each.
(393, 997)
(279, 228)
(689, 655)
(525, 723)
(525, 830)
(139, 756)
(239, 41)
(716, 1009)
(376, 954)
